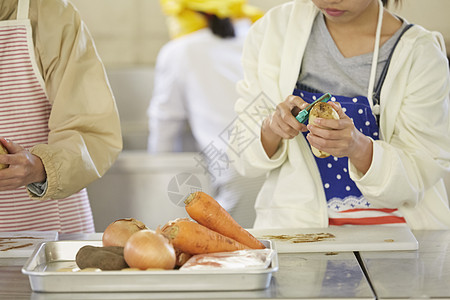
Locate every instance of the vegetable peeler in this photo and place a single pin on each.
(303, 115)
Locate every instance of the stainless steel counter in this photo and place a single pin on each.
(418, 274)
(422, 274)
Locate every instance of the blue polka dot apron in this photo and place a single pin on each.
(335, 176)
(346, 204)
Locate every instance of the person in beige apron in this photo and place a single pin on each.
(55, 148)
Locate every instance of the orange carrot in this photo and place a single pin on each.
(193, 238)
(207, 211)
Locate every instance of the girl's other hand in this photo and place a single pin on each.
(24, 167)
(341, 138)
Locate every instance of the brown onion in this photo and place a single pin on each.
(118, 232)
(148, 249)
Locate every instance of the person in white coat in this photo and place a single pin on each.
(390, 148)
(195, 89)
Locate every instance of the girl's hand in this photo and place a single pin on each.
(282, 124)
(282, 121)
(24, 167)
(341, 138)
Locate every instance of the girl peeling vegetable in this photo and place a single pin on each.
(390, 147)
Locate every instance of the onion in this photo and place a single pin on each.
(118, 232)
(148, 249)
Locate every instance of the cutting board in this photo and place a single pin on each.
(340, 238)
(23, 243)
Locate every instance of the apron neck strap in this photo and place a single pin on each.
(22, 9)
(376, 49)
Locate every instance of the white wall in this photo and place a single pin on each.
(131, 32)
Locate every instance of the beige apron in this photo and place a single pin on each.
(24, 114)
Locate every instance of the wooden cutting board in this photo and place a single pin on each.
(23, 243)
(340, 238)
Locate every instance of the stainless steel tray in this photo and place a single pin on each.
(49, 257)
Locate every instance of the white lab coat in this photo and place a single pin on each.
(195, 83)
(410, 160)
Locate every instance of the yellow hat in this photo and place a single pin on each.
(183, 17)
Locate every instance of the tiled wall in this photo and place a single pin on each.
(130, 32)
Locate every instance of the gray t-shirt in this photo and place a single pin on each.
(325, 69)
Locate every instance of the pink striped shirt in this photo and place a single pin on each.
(24, 115)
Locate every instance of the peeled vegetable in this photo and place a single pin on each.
(326, 111)
(118, 232)
(147, 249)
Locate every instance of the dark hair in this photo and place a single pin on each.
(396, 2)
(221, 27)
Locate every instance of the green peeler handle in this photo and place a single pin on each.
(304, 114)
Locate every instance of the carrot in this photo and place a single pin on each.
(207, 211)
(190, 237)
(181, 257)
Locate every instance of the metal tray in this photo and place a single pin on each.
(49, 257)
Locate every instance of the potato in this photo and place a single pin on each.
(326, 111)
(104, 258)
(3, 151)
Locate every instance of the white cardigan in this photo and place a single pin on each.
(410, 159)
